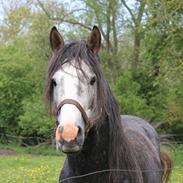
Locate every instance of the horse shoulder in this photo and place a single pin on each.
(142, 127)
(145, 144)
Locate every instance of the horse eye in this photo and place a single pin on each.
(56, 122)
(54, 82)
(92, 81)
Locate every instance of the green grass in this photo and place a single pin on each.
(177, 174)
(30, 165)
(30, 169)
(43, 165)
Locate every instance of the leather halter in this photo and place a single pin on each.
(80, 108)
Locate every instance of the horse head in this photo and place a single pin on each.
(73, 86)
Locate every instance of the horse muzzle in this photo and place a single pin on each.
(70, 138)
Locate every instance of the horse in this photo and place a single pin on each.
(101, 146)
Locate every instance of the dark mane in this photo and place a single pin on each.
(120, 155)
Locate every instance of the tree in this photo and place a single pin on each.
(16, 21)
(15, 85)
(58, 12)
(103, 13)
(141, 56)
(136, 18)
(34, 121)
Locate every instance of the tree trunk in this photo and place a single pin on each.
(136, 48)
(115, 40)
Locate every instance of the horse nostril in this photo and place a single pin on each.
(80, 133)
(79, 130)
(59, 132)
(57, 123)
(61, 129)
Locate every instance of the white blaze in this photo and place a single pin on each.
(69, 86)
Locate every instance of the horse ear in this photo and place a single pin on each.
(94, 40)
(56, 40)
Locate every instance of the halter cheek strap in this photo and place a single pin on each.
(80, 108)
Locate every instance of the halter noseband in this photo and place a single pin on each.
(80, 108)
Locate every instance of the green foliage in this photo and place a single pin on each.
(38, 39)
(162, 60)
(34, 119)
(23, 67)
(152, 88)
(16, 22)
(127, 91)
(174, 111)
(15, 85)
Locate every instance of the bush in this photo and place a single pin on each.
(34, 119)
(15, 85)
(127, 91)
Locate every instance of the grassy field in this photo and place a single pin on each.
(177, 155)
(40, 165)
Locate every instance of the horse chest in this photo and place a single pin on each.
(88, 165)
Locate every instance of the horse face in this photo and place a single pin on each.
(76, 83)
(71, 83)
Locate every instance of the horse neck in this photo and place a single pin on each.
(94, 155)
